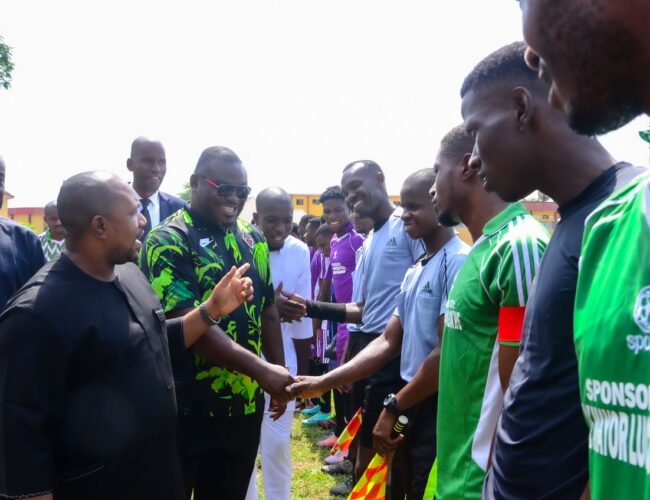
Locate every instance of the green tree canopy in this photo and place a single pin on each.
(6, 66)
(186, 192)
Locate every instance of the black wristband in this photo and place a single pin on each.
(326, 310)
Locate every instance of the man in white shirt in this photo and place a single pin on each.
(149, 166)
(290, 270)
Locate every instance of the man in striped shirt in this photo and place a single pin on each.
(53, 238)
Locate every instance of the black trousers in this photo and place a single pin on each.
(418, 450)
(370, 393)
(218, 455)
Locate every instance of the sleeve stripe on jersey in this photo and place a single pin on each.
(536, 256)
(647, 203)
(529, 276)
(516, 260)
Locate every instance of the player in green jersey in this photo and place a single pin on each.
(483, 319)
(612, 336)
(598, 56)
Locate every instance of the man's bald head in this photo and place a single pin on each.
(364, 186)
(86, 195)
(420, 181)
(214, 156)
(272, 197)
(274, 215)
(142, 142)
(148, 162)
(367, 167)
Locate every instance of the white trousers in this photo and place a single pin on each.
(275, 450)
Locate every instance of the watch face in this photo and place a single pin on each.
(390, 400)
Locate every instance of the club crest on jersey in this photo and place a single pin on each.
(248, 239)
(642, 310)
(641, 343)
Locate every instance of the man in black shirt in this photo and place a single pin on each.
(87, 403)
(522, 144)
(21, 254)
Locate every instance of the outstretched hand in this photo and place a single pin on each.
(307, 387)
(275, 380)
(231, 292)
(289, 305)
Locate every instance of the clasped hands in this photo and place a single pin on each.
(291, 306)
(384, 442)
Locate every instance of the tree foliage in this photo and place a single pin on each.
(6, 65)
(186, 192)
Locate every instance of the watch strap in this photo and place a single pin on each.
(205, 315)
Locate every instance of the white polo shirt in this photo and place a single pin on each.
(290, 265)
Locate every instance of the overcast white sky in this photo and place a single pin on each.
(298, 88)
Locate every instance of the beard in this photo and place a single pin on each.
(448, 219)
(607, 66)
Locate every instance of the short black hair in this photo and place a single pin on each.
(423, 178)
(456, 143)
(324, 230)
(271, 195)
(305, 218)
(84, 196)
(215, 154)
(315, 221)
(332, 193)
(506, 63)
(365, 164)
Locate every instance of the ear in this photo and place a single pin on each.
(129, 165)
(256, 219)
(467, 172)
(99, 226)
(381, 179)
(194, 181)
(524, 108)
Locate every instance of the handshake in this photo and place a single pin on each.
(283, 387)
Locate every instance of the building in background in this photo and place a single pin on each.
(32, 217)
(310, 204)
(4, 208)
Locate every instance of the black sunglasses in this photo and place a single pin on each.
(226, 190)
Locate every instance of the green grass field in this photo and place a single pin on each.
(308, 480)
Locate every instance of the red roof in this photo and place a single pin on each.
(537, 206)
(27, 211)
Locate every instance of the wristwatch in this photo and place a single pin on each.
(205, 315)
(390, 404)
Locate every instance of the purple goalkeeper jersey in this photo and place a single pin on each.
(342, 260)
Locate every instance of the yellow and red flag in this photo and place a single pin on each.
(372, 484)
(347, 436)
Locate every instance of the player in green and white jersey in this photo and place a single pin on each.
(483, 319)
(612, 336)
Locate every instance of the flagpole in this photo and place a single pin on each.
(398, 428)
